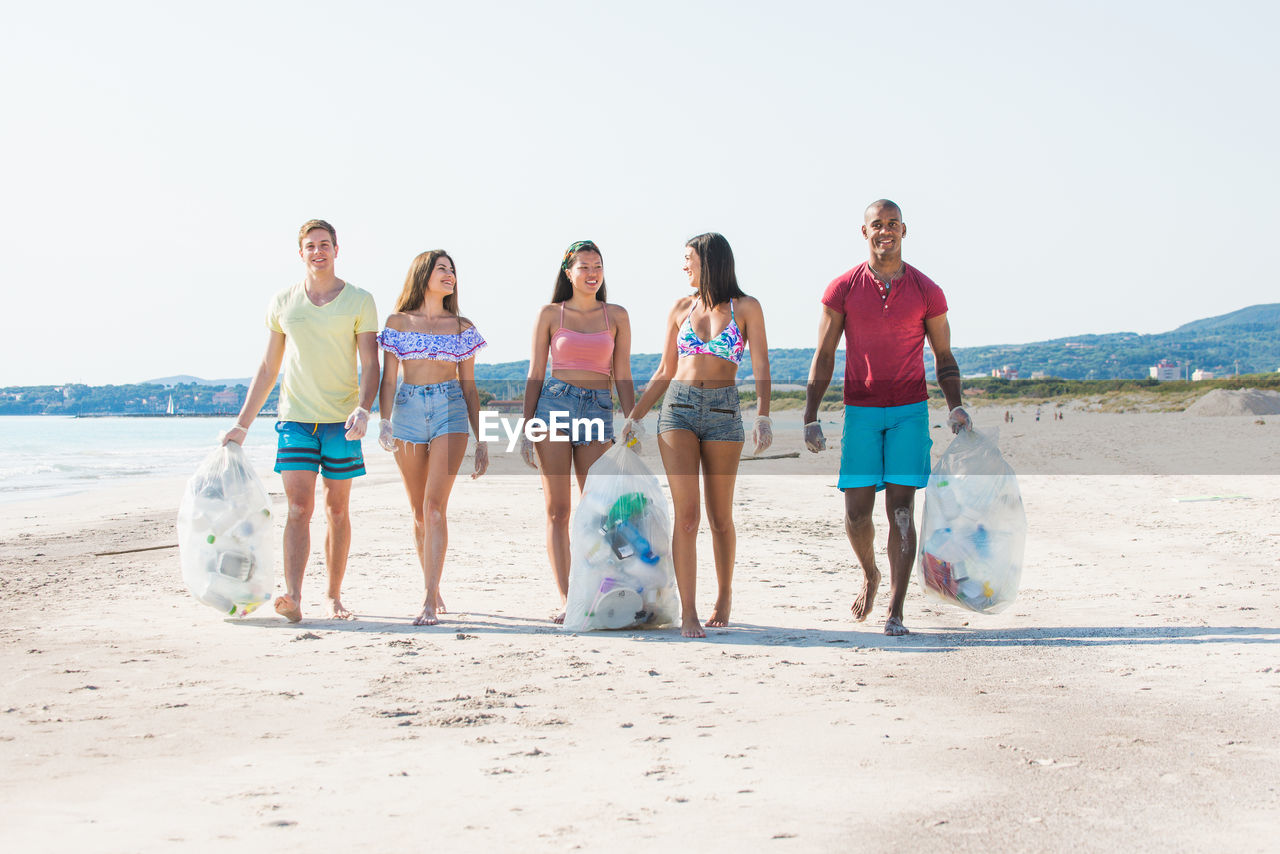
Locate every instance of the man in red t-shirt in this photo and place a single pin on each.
(885, 310)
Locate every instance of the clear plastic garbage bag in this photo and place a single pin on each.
(621, 575)
(974, 529)
(225, 534)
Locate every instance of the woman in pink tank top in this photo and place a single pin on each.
(588, 343)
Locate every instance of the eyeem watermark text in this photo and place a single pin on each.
(561, 428)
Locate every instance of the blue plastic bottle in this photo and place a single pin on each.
(632, 536)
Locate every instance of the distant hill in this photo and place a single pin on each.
(1247, 340)
(187, 379)
(1254, 316)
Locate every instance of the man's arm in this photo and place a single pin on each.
(830, 328)
(938, 331)
(948, 372)
(370, 377)
(259, 388)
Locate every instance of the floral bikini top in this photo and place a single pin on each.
(727, 345)
(457, 347)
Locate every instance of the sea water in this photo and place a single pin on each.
(43, 456)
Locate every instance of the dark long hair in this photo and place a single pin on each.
(717, 281)
(564, 288)
(415, 284)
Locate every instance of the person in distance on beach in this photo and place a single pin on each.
(700, 425)
(884, 309)
(318, 327)
(432, 349)
(588, 342)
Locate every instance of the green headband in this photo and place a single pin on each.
(577, 247)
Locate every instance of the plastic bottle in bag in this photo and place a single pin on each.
(973, 532)
(226, 535)
(620, 575)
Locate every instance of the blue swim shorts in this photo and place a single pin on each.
(711, 414)
(885, 444)
(588, 412)
(318, 447)
(423, 412)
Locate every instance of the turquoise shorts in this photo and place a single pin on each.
(885, 444)
(318, 447)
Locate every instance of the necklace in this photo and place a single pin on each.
(886, 283)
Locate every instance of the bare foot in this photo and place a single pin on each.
(335, 610)
(720, 614)
(691, 628)
(894, 627)
(289, 609)
(440, 608)
(427, 617)
(558, 618)
(862, 605)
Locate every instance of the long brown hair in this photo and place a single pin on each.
(717, 281)
(415, 283)
(564, 287)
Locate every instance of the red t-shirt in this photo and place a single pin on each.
(884, 338)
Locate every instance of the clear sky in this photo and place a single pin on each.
(1062, 168)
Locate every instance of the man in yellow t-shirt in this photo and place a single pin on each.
(318, 327)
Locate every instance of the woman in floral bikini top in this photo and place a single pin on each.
(700, 426)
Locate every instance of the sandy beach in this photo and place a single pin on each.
(1127, 700)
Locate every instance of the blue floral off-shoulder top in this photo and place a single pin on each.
(457, 347)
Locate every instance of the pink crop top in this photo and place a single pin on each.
(582, 351)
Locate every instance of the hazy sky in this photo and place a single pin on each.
(1064, 168)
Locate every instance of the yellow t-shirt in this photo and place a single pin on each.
(320, 383)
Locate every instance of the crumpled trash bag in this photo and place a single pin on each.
(974, 528)
(225, 534)
(621, 575)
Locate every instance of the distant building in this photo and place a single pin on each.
(1005, 373)
(1166, 371)
(1039, 375)
(1197, 376)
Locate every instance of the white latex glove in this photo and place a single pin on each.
(959, 420)
(527, 452)
(357, 423)
(385, 439)
(236, 434)
(762, 434)
(482, 459)
(632, 431)
(813, 438)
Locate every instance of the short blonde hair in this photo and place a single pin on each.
(311, 225)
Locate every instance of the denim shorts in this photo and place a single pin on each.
(423, 412)
(578, 409)
(711, 414)
(885, 444)
(304, 446)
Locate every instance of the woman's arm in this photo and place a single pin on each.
(622, 361)
(753, 331)
(467, 379)
(390, 375)
(667, 367)
(537, 362)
